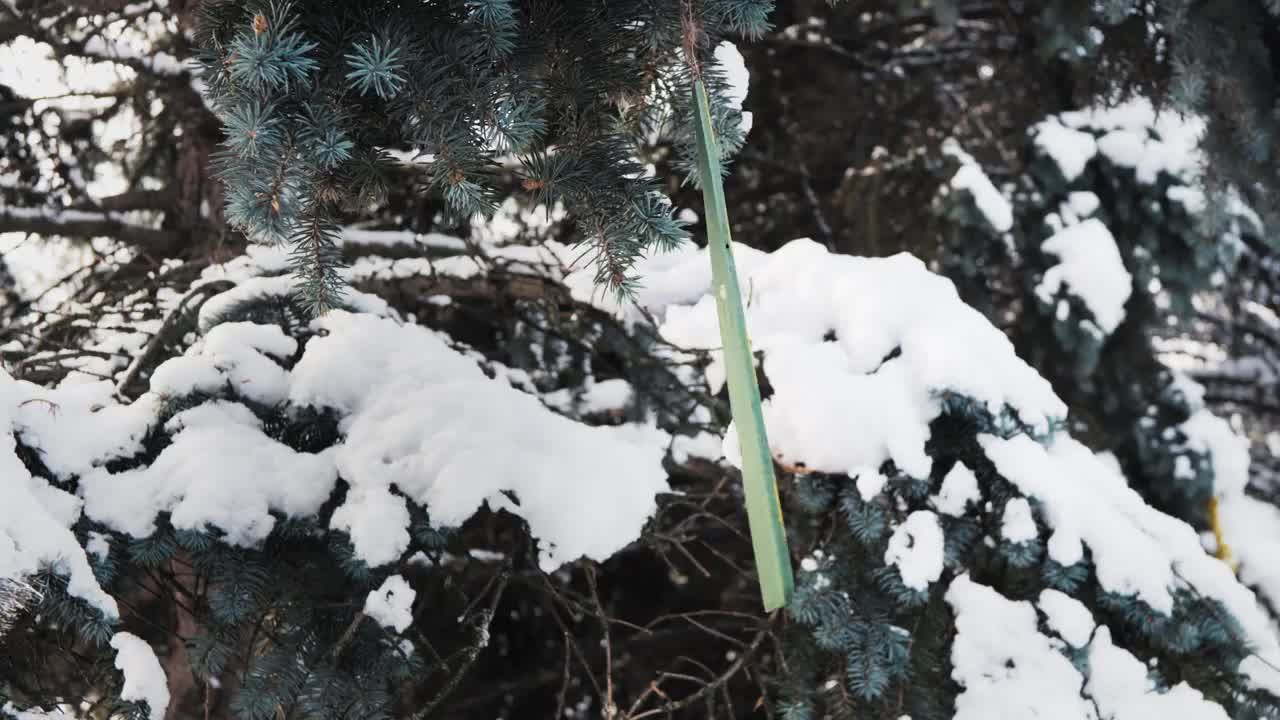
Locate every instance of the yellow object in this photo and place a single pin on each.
(1223, 551)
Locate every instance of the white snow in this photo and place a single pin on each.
(424, 418)
(391, 605)
(99, 544)
(916, 549)
(144, 678)
(703, 445)
(9, 711)
(1126, 139)
(1127, 149)
(1018, 525)
(1267, 316)
(32, 534)
(1083, 203)
(257, 260)
(1119, 685)
(1192, 199)
(254, 288)
(1006, 668)
(377, 521)
(874, 306)
(77, 427)
(392, 238)
(990, 201)
(1067, 616)
(607, 395)
(253, 475)
(1136, 549)
(1070, 149)
(959, 488)
(869, 482)
(236, 354)
(1227, 451)
(735, 70)
(423, 424)
(1091, 268)
(1192, 391)
(1251, 527)
(1085, 502)
(1009, 670)
(596, 397)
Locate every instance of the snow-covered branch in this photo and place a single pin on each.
(87, 224)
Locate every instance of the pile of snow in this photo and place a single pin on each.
(252, 476)
(959, 489)
(871, 343)
(1018, 525)
(916, 550)
(1091, 268)
(993, 205)
(1136, 549)
(1070, 149)
(418, 416)
(391, 605)
(1134, 135)
(1123, 134)
(1008, 669)
(422, 417)
(444, 434)
(144, 678)
(735, 70)
(36, 517)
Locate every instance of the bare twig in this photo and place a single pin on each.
(347, 634)
(473, 651)
(564, 681)
(185, 308)
(610, 708)
(719, 681)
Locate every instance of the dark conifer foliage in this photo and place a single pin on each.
(321, 100)
(1217, 60)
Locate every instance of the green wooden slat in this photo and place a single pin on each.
(764, 512)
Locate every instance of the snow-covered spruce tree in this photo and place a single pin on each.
(1114, 335)
(1113, 241)
(285, 491)
(1117, 247)
(348, 517)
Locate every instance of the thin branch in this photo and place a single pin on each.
(199, 295)
(564, 681)
(610, 709)
(714, 685)
(347, 634)
(473, 651)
